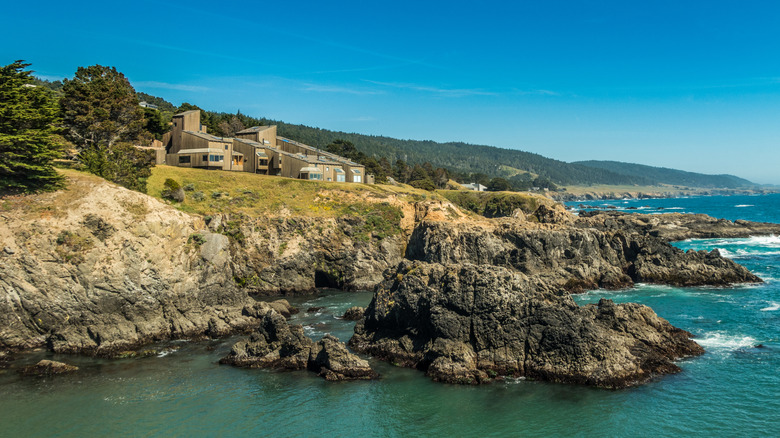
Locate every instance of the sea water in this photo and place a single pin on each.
(732, 390)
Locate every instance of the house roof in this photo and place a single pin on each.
(200, 151)
(185, 112)
(208, 137)
(310, 170)
(255, 129)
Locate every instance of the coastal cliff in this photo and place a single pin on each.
(98, 269)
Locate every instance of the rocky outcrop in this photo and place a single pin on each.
(47, 368)
(279, 345)
(574, 258)
(100, 269)
(470, 324)
(674, 226)
(354, 313)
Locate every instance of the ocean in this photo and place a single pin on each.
(732, 390)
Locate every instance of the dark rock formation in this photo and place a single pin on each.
(673, 226)
(574, 258)
(277, 344)
(468, 324)
(331, 359)
(47, 368)
(354, 313)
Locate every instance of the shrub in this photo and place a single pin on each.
(172, 190)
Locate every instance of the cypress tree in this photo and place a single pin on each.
(28, 114)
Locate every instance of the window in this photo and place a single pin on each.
(184, 159)
(327, 169)
(262, 162)
(357, 178)
(216, 157)
(226, 147)
(205, 157)
(317, 176)
(340, 177)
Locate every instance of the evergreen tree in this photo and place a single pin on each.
(27, 146)
(101, 113)
(100, 107)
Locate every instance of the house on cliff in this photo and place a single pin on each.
(258, 150)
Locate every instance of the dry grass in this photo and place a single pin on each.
(209, 191)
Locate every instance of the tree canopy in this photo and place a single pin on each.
(102, 116)
(27, 136)
(99, 106)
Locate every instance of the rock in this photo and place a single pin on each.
(279, 345)
(8, 250)
(467, 324)
(554, 214)
(47, 368)
(275, 344)
(314, 309)
(284, 308)
(331, 360)
(575, 258)
(354, 313)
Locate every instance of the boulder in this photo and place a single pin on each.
(331, 359)
(47, 368)
(279, 345)
(354, 313)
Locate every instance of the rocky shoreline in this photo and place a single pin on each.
(100, 270)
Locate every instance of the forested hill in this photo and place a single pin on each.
(665, 175)
(462, 157)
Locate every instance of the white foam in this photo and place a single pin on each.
(744, 205)
(772, 307)
(673, 208)
(719, 340)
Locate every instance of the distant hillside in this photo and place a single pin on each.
(465, 159)
(664, 175)
(462, 157)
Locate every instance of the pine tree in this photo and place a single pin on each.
(28, 114)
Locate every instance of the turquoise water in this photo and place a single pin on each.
(732, 390)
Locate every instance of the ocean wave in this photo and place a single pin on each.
(772, 307)
(723, 341)
(744, 205)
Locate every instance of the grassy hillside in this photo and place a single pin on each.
(663, 175)
(209, 191)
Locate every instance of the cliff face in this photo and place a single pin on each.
(574, 258)
(470, 324)
(98, 268)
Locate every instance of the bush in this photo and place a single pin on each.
(424, 184)
(173, 190)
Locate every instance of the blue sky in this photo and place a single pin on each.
(689, 85)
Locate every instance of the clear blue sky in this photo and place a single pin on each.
(682, 84)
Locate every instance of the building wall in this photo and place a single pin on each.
(187, 121)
